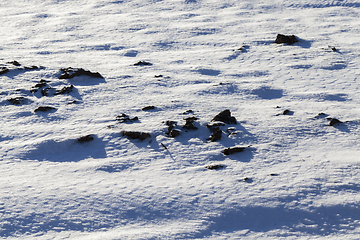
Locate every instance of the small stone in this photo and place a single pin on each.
(148, 108)
(174, 133)
(214, 166)
(3, 70)
(44, 109)
(274, 174)
(15, 63)
(136, 135)
(142, 63)
(216, 135)
(86, 138)
(69, 73)
(291, 39)
(125, 118)
(232, 150)
(64, 90)
(16, 100)
(225, 116)
(158, 76)
(190, 123)
(334, 121)
(285, 112)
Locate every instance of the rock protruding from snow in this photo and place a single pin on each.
(334, 121)
(136, 135)
(291, 39)
(44, 109)
(225, 116)
(70, 72)
(16, 100)
(190, 123)
(123, 118)
(86, 138)
(214, 166)
(232, 150)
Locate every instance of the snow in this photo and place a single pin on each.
(297, 177)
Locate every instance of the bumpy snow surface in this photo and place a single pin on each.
(81, 159)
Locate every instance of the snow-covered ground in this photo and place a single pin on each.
(298, 177)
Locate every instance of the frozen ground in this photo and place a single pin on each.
(298, 177)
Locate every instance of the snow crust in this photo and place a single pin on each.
(298, 177)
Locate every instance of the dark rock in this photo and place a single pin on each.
(174, 133)
(148, 108)
(285, 112)
(4, 70)
(158, 76)
(225, 116)
(248, 180)
(274, 174)
(125, 118)
(333, 49)
(65, 90)
(33, 68)
(214, 166)
(188, 111)
(334, 121)
(190, 123)
(16, 100)
(291, 39)
(44, 109)
(69, 73)
(136, 135)
(15, 63)
(232, 150)
(72, 102)
(171, 125)
(321, 115)
(216, 135)
(86, 138)
(214, 126)
(142, 63)
(45, 91)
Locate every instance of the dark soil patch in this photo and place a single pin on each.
(136, 135)
(291, 39)
(142, 63)
(232, 150)
(225, 116)
(214, 166)
(44, 109)
(335, 121)
(69, 73)
(148, 108)
(16, 100)
(123, 118)
(86, 138)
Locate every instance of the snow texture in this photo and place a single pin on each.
(71, 169)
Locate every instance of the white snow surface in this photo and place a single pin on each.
(298, 177)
